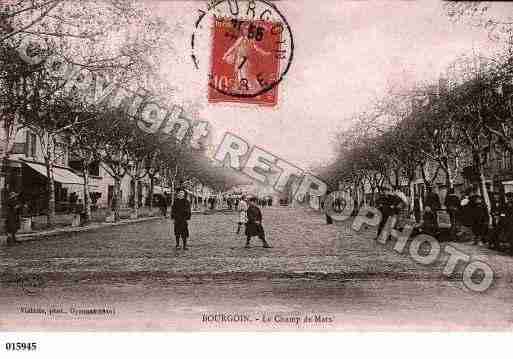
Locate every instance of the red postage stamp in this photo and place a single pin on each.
(245, 61)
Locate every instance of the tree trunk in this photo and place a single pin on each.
(172, 192)
(8, 136)
(482, 180)
(3, 185)
(136, 197)
(449, 180)
(356, 195)
(150, 202)
(412, 199)
(116, 199)
(425, 179)
(448, 174)
(87, 199)
(373, 196)
(421, 200)
(51, 195)
(173, 181)
(49, 160)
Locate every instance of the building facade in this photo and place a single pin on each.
(25, 172)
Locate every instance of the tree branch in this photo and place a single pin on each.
(2, 39)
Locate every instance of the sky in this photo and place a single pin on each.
(347, 54)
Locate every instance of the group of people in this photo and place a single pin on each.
(468, 211)
(494, 227)
(249, 216)
(233, 202)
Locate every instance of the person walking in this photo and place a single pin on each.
(243, 216)
(13, 219)
(254, 226)
(181, 213)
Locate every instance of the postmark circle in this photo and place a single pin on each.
(252, 46)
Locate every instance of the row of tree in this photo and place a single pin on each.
(118, 40)
(429, 131)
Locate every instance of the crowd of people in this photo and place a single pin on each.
(225, 201)
(468, 214)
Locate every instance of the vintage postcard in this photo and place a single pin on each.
(258, 165)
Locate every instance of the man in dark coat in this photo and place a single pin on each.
(502, 232)
(254, 226)
(13, 219)
(387, 206)
(181, 213)
(452, 202)
(479, 215)
(432, 200)
(416, 209)
(429, 223)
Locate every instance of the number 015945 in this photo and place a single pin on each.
(20, 346)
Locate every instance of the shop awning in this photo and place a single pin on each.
(60, 175)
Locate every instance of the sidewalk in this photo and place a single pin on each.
(26, 237)
(38, 234)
